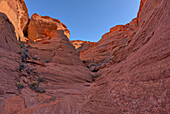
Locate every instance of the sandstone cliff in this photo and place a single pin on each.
(110, 42)
(137, 78)
(43, 26)
(17, 13)
(82, 46)
(50, 57)
(47, 76)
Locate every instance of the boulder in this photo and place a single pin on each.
(44, 26)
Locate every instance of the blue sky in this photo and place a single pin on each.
(87, 20)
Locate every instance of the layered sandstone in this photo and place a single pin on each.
(17, 13)
(137, 80)
(77, 43)
(117, 37)
(54, 59)
(9, 60)
(82, 46)
(43, 26)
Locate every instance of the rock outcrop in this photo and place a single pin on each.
(43, 26)
(17, 13)
(82, 46)
(77, 43)
(117, 37)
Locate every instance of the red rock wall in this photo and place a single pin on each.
(117, 37)
(8, 60)
(142, 2)
(56, 62)
(137, 80)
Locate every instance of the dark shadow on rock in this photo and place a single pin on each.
(7, 32)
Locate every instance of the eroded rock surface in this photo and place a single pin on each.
(9, 60)
(118, 36)
(43, 26)
(137, 78)
(82, 46)
(17, 13)
(77, 43)
(54, 59)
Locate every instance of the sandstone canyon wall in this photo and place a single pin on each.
(9, 60)
(51, 57)
(82, 46)
(17, 13)
(110, 42)
(137, 78)
(133, 74)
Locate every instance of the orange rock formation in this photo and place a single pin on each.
(43, 26)
(17, 13)
(82, 46)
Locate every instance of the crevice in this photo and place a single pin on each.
(8, 21)
(6, 40)
(95, 70)
(25, 31)
(33, 62)
(10, 92)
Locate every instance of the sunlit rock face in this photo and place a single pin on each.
(82, 46)
(43, 26)
(17, 13)
(77, 43)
